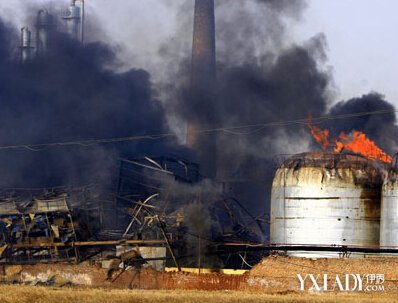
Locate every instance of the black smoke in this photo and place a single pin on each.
(70, 93)
(381, 128)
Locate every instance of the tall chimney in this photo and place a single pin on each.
(203, 82)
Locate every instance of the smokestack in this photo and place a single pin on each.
(203, 78)
(26, 44)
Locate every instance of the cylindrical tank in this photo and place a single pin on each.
(389, 207)
(44, 26)
(72, 20)
(26, 44)
(326, 199)
(26, 37)
(44, 18)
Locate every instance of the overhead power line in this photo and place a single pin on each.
(247, 129)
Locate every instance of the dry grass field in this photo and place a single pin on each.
(30, 294)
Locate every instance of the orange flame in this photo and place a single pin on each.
(356, 142)
(321, 136)
(359, 143)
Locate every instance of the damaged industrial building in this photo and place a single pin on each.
(157, 211)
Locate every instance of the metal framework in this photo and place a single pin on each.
(25, 230)
(155, 194)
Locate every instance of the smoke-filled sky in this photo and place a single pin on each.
(276, 62)
(361, 35)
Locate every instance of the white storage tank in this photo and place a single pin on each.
(389, 207)
(326, 199)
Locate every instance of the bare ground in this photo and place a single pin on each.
(29, 294)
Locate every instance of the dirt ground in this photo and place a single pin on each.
(272, 280)
(30, 294)
(281, 272)
(289, 266)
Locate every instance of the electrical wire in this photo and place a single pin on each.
(244, 261)
(234, 130)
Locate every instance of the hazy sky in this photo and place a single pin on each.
(363, 43)
(362, 36)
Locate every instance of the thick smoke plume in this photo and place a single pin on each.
(70, 94)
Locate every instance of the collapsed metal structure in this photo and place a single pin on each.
(166, 198)
(159, 202)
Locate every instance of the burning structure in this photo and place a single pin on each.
(342, 198)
